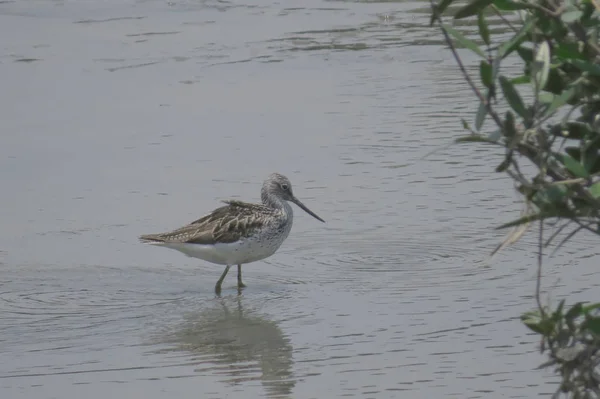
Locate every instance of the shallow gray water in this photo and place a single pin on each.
(127, 117)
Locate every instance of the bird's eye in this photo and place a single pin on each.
(284, 186)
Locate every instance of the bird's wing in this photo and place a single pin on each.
(226, 224)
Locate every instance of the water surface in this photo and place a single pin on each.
(130, 117)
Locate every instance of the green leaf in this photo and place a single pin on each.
(543, 326)
(546, 98)
(587, 309)
(532, 316)
(589, 156)
(525, 53)
(575, 152)
(566, 51)
(465, 125)
(573, 165)
(595, 190)
(550, 196)
(509, 125)
(439, 10)
(560, 100)
(520, 80)
(504, 165)
(574, 312)
(557, 315)
(472, 8)
(483, 28)
(532, 320)
(509, 46)
(589, 8)
(474, 139)
(441, 7)
(485, 70)
(556, 82)
(461, 39)
(547, 326)
(512, 97)
(496, 68)
(508, 5)
(585, 66)
(547, 364)
(535, 327)
(571, 16)
(542, 66)
(572, 130)
(593, 324)
(595, 168)
(480, 117)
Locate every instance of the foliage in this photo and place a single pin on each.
(551, 120)
(573, 341)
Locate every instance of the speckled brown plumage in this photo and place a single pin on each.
(226, 224)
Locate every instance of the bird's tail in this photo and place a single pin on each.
(151, 238)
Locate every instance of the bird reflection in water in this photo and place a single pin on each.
(237, 343)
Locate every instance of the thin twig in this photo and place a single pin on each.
(567, 238)
(552, 13)
(477, 92)
(557, 232)
(586, 227)
(462, 67)
(539, 270)
(517, 168)
(506, 21)
(568, 181)
(578, 180)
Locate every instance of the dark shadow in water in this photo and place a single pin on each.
(237, 343)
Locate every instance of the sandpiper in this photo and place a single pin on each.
(239, 232)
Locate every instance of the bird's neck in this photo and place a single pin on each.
(271, 200)
(275, 202)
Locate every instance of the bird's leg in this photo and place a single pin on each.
(218, 286)
(240, 283)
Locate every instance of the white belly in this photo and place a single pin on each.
(234, 253)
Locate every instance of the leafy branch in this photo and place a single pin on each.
(557, 42)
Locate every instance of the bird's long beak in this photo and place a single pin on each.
(305, 209)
